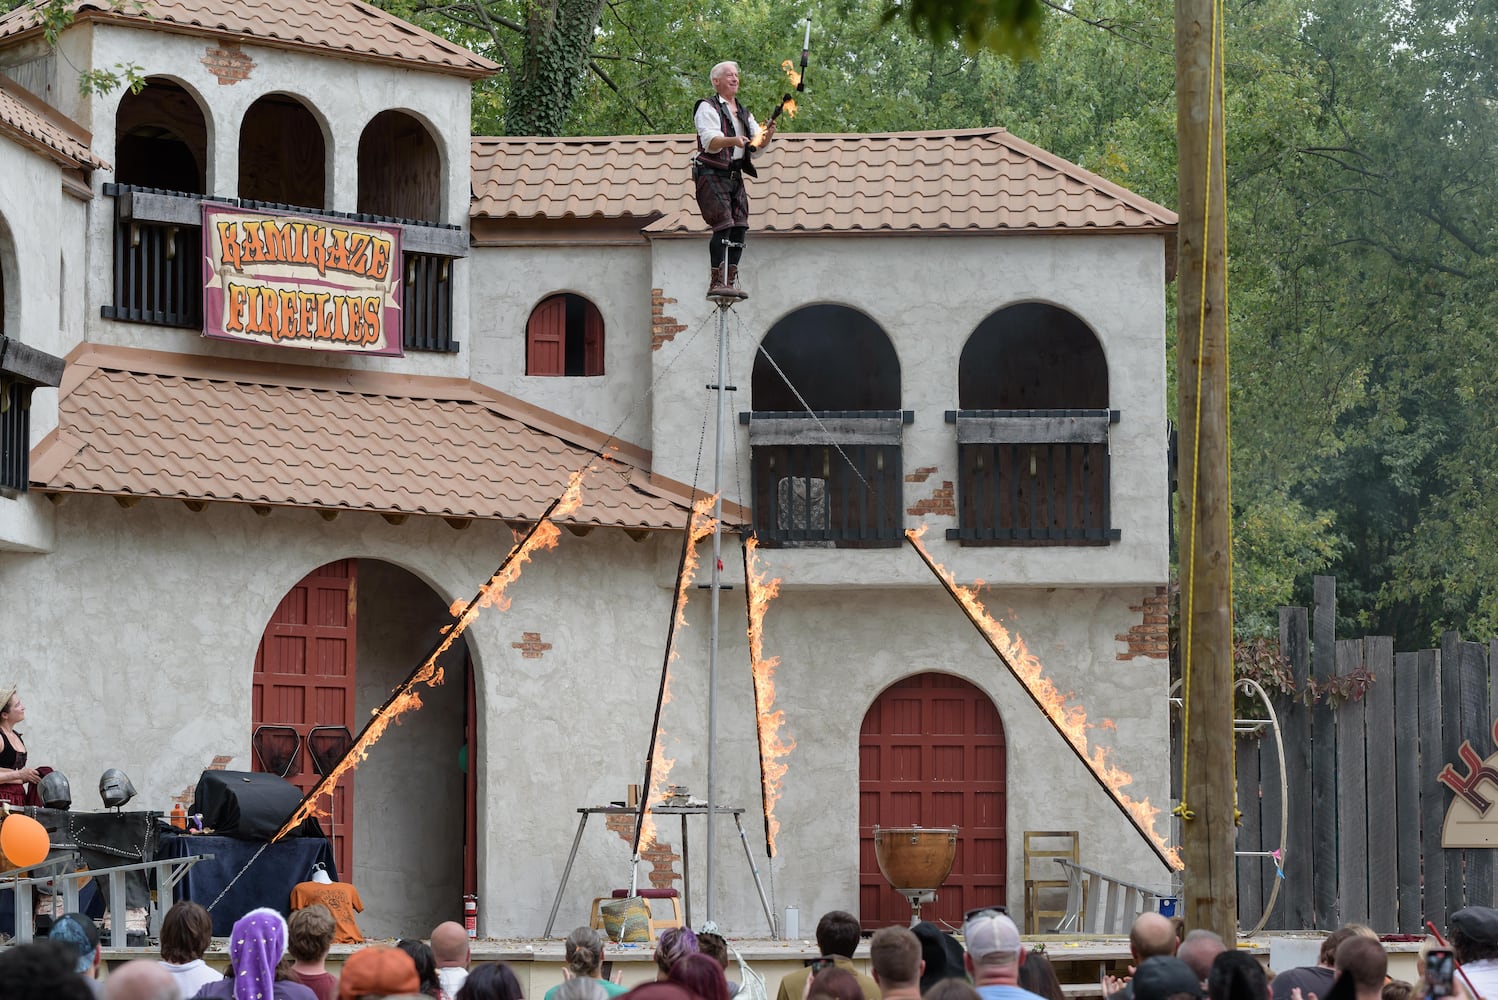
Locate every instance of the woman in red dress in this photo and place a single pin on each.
(17, 779)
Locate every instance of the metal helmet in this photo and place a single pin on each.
(55, 791)
(115, 788)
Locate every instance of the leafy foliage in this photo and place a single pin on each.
(56, 15)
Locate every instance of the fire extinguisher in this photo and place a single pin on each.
(471, 915)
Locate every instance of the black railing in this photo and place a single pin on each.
(1033, 477)
(158, 275)
(833, 480)
(15, 435)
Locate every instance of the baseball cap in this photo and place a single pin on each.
(80, 935)
(1162, 977)
(989, 932)
(1478, 924)
(378, 971)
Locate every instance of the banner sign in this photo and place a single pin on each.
(301, 281)
(1471, 820)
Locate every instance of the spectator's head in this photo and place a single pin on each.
(1474, 933)
(1365, 961)
(714, 947)
(951, 988)
(1152, 935)
(376, 972)
(993, 947)
(256, 945)
(584, 951)
(426, 965)
(673, 944)
(1398, 989)
(42, 970)
(941, 953)
(141, 979)
(895, 956)
(309, 933)
(1165, 977)
(1199, 951)
(1037, 975)
(701, 976)
(490, 981)
(834, 984)
(837, 933)
(77, 932)
(1327, 956)
(654, 990)
(1236, 976)
(450, 945)
(186, 932)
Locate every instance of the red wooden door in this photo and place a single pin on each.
(546, 338)
(304, 678)
(931, 753)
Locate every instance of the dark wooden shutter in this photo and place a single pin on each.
(304, 677)
(931, 753)
(546, 338)
(592, 341)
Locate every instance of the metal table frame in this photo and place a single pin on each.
(168, 871)
(686, 869)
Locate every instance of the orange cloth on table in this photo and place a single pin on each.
(341, 899)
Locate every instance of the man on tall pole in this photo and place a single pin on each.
(726, 148)
(1208, 808)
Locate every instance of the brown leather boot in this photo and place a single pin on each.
(717, 288)
(733, 282)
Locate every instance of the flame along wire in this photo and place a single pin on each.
(758, 593)
(657, 766)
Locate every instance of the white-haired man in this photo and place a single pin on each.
(726, 133)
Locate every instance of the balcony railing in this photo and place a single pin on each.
(158, 274)
(827, 480)
(1033, 477)
(22, 369)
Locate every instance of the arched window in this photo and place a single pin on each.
(161, 139)
(282, 154)
(400, 169)
(1032, 431)
(564, 336)
(825, 432)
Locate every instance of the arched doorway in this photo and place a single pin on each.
(161, 138)
(931, 753)
(282, 153)
(337, 644)
(400, 168)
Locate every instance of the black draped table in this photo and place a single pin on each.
(251, 877)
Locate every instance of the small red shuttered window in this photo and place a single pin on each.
(564, 337)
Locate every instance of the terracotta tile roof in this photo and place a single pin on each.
(28, 119)
(347, 28)
(973, 180)
(147, 423)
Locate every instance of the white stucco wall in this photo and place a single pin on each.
(135, 644)
(508, 283)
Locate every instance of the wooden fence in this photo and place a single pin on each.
(1364, 806)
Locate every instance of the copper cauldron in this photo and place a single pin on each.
(915, 857)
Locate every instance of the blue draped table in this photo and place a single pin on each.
(266, 882)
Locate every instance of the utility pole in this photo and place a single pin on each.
(1209, 828)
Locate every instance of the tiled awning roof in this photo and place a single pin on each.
(348, 28)
(967, 181)
(30, 120)
(152, 424)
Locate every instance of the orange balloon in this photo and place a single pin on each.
(23, 841)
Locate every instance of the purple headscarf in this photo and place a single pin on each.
(255, 946)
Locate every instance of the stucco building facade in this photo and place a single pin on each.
(975, 327)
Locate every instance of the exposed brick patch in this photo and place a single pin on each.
(220, 762)
(943, 500)
(228, 63)
(921, 475)
(660, 855)
(1151, 637)
(663, 328)
(530, 645)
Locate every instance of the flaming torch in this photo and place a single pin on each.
(542, 535)
(797, 80)
(1069, 719)
(657, 765)
(773, 747)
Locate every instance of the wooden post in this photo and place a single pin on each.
(1210, 888)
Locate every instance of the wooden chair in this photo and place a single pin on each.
(1042, 849)
(652, 897)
